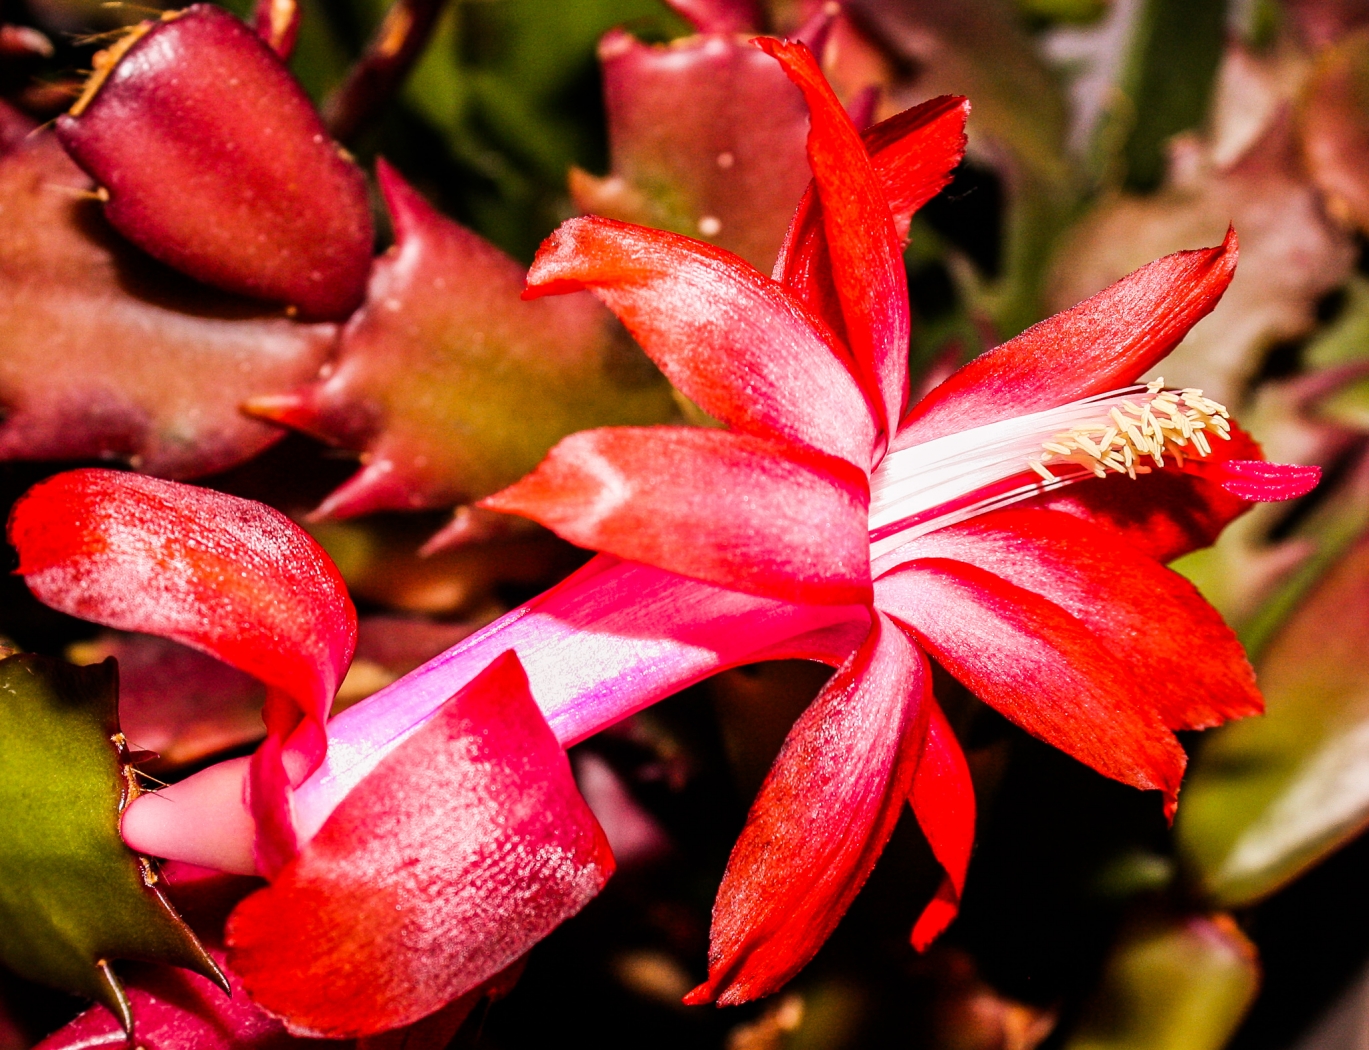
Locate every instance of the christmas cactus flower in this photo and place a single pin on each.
(1010, 526)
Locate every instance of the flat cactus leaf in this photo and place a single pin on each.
(73, 897)
(707, 139)
(1269, 797)
(449, 384)
(214, 161)
(1291, 255)
(106, 354)
(1171, 983)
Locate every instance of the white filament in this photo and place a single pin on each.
(910, 484)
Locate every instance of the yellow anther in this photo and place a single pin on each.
(1130, 432)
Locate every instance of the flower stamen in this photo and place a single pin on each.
(947, 480)
(1175, 423)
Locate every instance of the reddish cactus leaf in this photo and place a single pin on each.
(1335, 129)
(14, 127)
(1291, 255)
(721, 16)
(106, 354)
(175, 1010)
(216, 163)
(181, 704)
(706, 138)
(450, 384)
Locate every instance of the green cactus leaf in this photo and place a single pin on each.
(73, 897)
(1171, 983)
(1269, 797)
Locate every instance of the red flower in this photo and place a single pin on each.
(1010, 525)
(824, 492)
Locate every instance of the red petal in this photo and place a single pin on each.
(1038, 666)
(913, 153)
(1153, 620)
(462, 849)
(228, 576)
(943, 801)
(730, 338)
(1103, 343)
(712, 505)
(865, 251)
(820, 821)
(1163, 514)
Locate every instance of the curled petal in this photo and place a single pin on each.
(1152, 619)
(1103, 343)
(228, 576)
(864, 249)
(1038, 666)
(730, 338)
(709, 504)
(821, 819)
(944, 804)
(459, 851)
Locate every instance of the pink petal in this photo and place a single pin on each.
(728, 337)
(1039, 667)
(1153, 620)
(459, 852)
(865, 251)
(228, 576)
(944, 804)
(820, 821)
(1102, 344)
(1260, 482)
(709, 504)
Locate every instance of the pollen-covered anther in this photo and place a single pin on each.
(1135, 434)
